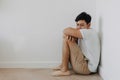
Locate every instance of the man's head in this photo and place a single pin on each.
(83, 21)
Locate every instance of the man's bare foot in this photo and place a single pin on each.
(58, 67)
(61, 73)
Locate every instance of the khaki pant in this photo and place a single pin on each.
(77, 59)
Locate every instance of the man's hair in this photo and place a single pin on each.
(83, 16)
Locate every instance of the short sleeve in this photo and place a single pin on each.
(86, 33)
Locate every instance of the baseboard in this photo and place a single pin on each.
(28, 64)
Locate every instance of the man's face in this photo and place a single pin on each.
(81, 24)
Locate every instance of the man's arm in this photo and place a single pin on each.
(72, 32)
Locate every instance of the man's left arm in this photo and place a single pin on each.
(72, 32)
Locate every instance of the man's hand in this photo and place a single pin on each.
(73, 39)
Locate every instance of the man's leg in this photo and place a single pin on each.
(78, 62)
(65, 54)
(65, 59)
(72, 51)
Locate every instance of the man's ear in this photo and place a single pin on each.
(89, 24)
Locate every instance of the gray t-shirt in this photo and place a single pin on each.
(90, 46)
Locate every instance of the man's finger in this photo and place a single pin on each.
(72, 39)
(67, 37)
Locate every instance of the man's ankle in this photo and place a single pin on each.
(64, 69)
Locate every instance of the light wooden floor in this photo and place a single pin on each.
(40, 74)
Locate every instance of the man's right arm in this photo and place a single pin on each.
(72, 32)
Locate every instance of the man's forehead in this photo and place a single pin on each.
(80, 21)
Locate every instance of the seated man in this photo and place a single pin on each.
(81, 48)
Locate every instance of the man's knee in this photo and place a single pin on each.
(65, 38)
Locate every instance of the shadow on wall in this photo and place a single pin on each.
(100, 26)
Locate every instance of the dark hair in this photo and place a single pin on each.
(83, 16)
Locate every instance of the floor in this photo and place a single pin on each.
(40, 74)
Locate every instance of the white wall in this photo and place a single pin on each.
(108, 20)
(31, 30)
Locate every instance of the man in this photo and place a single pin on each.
(81, 48)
